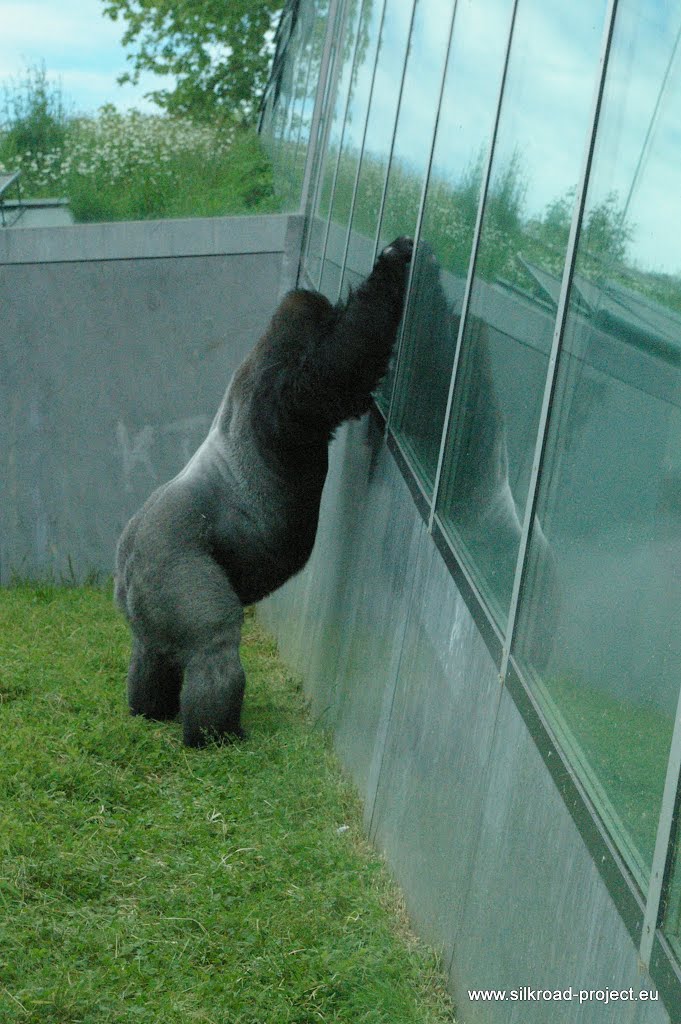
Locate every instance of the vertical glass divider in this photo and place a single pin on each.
(340, 144)
(661, 870)
(471, 273)
(557, 341)
(419, 216)
(388, 165)
(355, 185)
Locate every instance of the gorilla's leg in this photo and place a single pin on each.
(154, 682)
(209, 615)
(213, 693)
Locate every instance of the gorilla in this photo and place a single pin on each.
(241, 517)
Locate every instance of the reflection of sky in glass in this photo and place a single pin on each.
(636, 84)
(561, 52)
(344, 79)
(541, 125)
(388, 72)
(473, 77)
(464, 132)
(359, 96)
(392, 51)
(418, 107)
(413, 134)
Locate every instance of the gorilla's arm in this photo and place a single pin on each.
(350, 361)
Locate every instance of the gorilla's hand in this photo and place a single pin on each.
(401, 249)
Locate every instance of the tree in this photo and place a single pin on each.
(217, 50)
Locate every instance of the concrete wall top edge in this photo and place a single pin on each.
(200, 236)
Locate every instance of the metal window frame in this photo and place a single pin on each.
(661, 874)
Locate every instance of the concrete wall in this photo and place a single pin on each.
(117, 343)
(456, 793)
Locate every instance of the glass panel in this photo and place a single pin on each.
(598, 630)
(273, 129)
(392, 52)
(295, 89)
(414, 132)
(545, 115)
(351, 145)
(293, 82)
(441, 264)
(416, 118)
(315, 34)
(345, 34)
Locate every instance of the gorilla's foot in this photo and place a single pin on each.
(212, 696)
(154, 683)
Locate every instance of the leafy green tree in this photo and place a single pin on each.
(217, 50)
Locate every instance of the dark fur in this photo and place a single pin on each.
(241, 517)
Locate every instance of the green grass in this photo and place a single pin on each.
(141, 881)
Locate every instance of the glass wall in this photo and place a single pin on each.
(538, 154)
(380, 127)
(412, 140)
(464, 134)
(345, 40)
(347, 164)
(478, 143)
(289, 105)
(610, 496)
(307, 45)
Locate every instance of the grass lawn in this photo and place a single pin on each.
(144, 882)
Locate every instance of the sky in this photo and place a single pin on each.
(80, 47)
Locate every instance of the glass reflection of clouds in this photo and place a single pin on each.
(542, 122)
(645, 149)
(418, 107)
(394, 37)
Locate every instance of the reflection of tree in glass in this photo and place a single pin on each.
(449, 220)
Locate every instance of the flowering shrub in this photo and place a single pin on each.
(135, 166)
